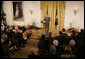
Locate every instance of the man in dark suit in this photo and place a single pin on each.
(50, 38)
(80, 38)
(64, 36)
(47, 19)
(60, 38)
(74, 36)
(43, 46)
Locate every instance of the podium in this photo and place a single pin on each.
(43, 22)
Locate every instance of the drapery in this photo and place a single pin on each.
(52, 6)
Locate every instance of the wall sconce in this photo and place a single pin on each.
(75, 11)
(31, 12)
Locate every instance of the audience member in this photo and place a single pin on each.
(4, 46)
(20, 38)
(43, 46)
(80, 44)
(33, 54)
(74, 47)
(50, 39)
(14, 37)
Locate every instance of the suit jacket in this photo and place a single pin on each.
(43, 44)
(47, 19)
(50, 40)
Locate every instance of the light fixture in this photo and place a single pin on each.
(75, 10)
(31, 12)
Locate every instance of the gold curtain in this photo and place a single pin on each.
(52, 6)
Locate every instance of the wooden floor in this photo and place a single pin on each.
(23, 52)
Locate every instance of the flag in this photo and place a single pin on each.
(56, 19)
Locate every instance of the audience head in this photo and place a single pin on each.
(60, 32)
(4, 36)
(43, 36)
(81, 30)
(20, 31)
(72, 42)
(7, 29)
(52, 49)
(55, 42)
(68, 49)
(73, 32)
(69, 34)
(63, 29)
(11, 27)
(50, 33)
(33, 51)
(14, 31)
(2, 23)
(16, 27)
(2, 29)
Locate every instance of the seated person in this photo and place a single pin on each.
(15, 37)
(25, 37)
(73, 47)
(80, 44)
(23, 28)
(12, 45)
(20, 38)
(33, 54)
(3, 38)
(68, 52)
(64, 32)
(4, 45)
(50, 39)
(58, 37)
(61, 41)
(81, 34)
(64, 36)
(2, 30)
(58, 47)
(10, 32)
(61, 38)
(73, 35)
(43, 46)
(68, 49)
(52, 52)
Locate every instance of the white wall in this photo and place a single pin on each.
(28, 18)
(76, 20)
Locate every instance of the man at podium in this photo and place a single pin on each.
(46, 24)
(47, 20)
